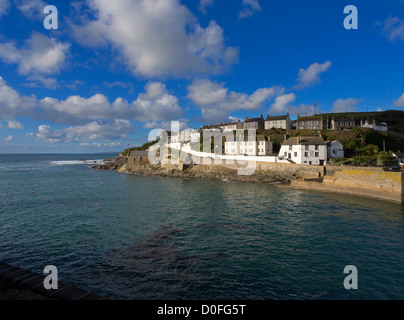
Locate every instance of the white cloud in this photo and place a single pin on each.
(235, 119)
(347, 105)
(14, 105)
(166, 125)
(217, 102)
(31, 8)
(155, 104)
(38, 81)
(310, 76)
(9, 138)
(281, 102)
(4, 7)
(156, 37)
(303, 110)
(393, 29)
(204, 92)
(250, 7)
(39, 55)
(96, 130)
(120, 84)
(14, 125)
(203, 4)
(399, 102)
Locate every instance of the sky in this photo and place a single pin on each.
(99, 75)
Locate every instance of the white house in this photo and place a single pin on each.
(304, 150)
(381, 127)
(335, 149)
(260, 146)
(278, 122)
(232, 126)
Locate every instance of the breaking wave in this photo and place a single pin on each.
(76, 162)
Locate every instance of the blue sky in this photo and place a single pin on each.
(114, 70)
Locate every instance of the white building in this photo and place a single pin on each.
(195, 137)
(381, 127)
(260, 146)
(278, 122)
(335, 149)
(232, 126)
(304, 150)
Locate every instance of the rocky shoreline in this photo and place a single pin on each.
(210, 172)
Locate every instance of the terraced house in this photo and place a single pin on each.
(278, 122)
(254, 123)
(311, 123)
(304, 150)
(260, 146)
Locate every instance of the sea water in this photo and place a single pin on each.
(128, 236)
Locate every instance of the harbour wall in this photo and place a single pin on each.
(365, 182)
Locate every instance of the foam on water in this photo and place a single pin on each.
(76, 162)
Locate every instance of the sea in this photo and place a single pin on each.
(134, 237)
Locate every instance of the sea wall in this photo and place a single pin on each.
(232, 170)
(366, 182)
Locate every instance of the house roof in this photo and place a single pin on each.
(310, 118)
(329, 143)
(139, 153)
(274, 118)
(254, 119)
(304, 141)
(246, 139)
(231, 123)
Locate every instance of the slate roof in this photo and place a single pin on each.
(304, 141)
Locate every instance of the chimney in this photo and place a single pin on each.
(262, 117)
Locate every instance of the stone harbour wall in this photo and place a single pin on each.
(366, 182)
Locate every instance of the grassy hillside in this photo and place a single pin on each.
(144, 147)
(393, 118)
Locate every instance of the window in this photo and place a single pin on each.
(250, 151)
(285, 154)
(306, 147)
(317, 154)
(306, 154)
(295, 154)
(317, 147)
